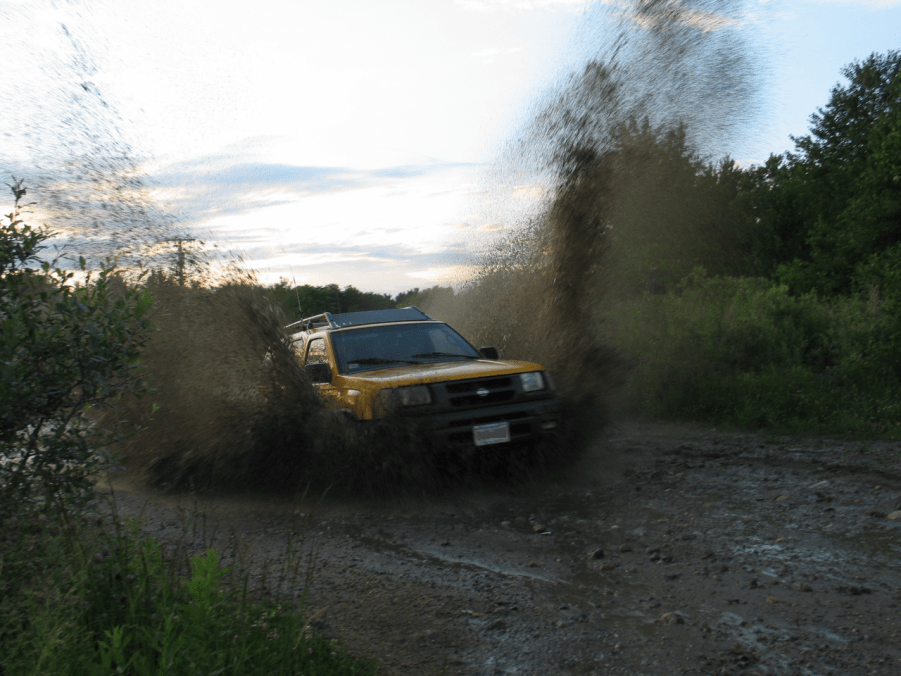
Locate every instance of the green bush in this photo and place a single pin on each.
(64, 348)
(745, 352)
(76, 600)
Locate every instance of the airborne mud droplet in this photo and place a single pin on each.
(235, 409)
(610, 147)
(672, 80)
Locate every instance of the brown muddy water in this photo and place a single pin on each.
(668, 549)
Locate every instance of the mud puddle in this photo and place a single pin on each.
(670, 549)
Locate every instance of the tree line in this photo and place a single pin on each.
(306, 300)
(771, 295)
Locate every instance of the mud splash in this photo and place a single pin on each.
(673, 80)
(231, 405)
(232, 408)
(80, 157)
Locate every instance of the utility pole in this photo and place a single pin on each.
(296, 292)
(180, 256)
(180, 264)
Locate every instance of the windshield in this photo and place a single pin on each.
(376, 347)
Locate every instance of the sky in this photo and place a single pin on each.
(355, 141)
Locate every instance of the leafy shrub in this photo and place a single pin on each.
(80, 600)
(64, 348)
(745, 352)
(73, 598)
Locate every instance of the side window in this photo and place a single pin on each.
(316, 352)
(297, 347)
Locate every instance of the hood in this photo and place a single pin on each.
(443, 371)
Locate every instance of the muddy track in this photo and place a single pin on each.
(669, 549)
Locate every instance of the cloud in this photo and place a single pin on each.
(311, 258)
(529, 192)
(492, 227)
(872, 4)
(372, 228)
(383, 270)
(219, 186)
(674, 11)
(205, 173)
(489, 5)
(365, 227)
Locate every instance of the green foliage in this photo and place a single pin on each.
(206, 576)
(813, 343)
(745, 352)
(656, 208)
(667, 210)
(306, 300)
(812, 219)
(64, 348)
(834, 204)
(297, 302)
(770, 204)
(80, 601)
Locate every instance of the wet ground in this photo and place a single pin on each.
(667, 550)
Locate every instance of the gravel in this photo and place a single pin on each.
(669, 549)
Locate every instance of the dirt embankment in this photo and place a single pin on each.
(669, 549)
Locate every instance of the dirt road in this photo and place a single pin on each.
(667, 550)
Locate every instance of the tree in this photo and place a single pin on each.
(838, 197)
(305, 301)
(64, 348)
(660, 207)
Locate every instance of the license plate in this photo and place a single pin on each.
(495, 433)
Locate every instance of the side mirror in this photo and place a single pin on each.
(489, 352)
(319, 373)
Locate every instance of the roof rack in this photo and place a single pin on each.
(340, 321)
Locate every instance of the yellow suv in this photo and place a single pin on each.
(404, 361)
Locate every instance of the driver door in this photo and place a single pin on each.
(317, 353)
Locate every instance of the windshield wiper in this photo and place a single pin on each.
(381, 360)
(444, 354)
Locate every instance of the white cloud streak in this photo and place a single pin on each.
(861, 4)
(675, 9)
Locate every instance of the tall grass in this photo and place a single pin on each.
(743, 352)
(82, 598)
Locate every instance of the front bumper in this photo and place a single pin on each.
(529, 422)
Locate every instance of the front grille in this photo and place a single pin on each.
(464, 394)
(473, 385)
(487, 400)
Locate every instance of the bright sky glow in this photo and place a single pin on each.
(346, 141)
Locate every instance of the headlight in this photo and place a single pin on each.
(531, 382)
(413, 395)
